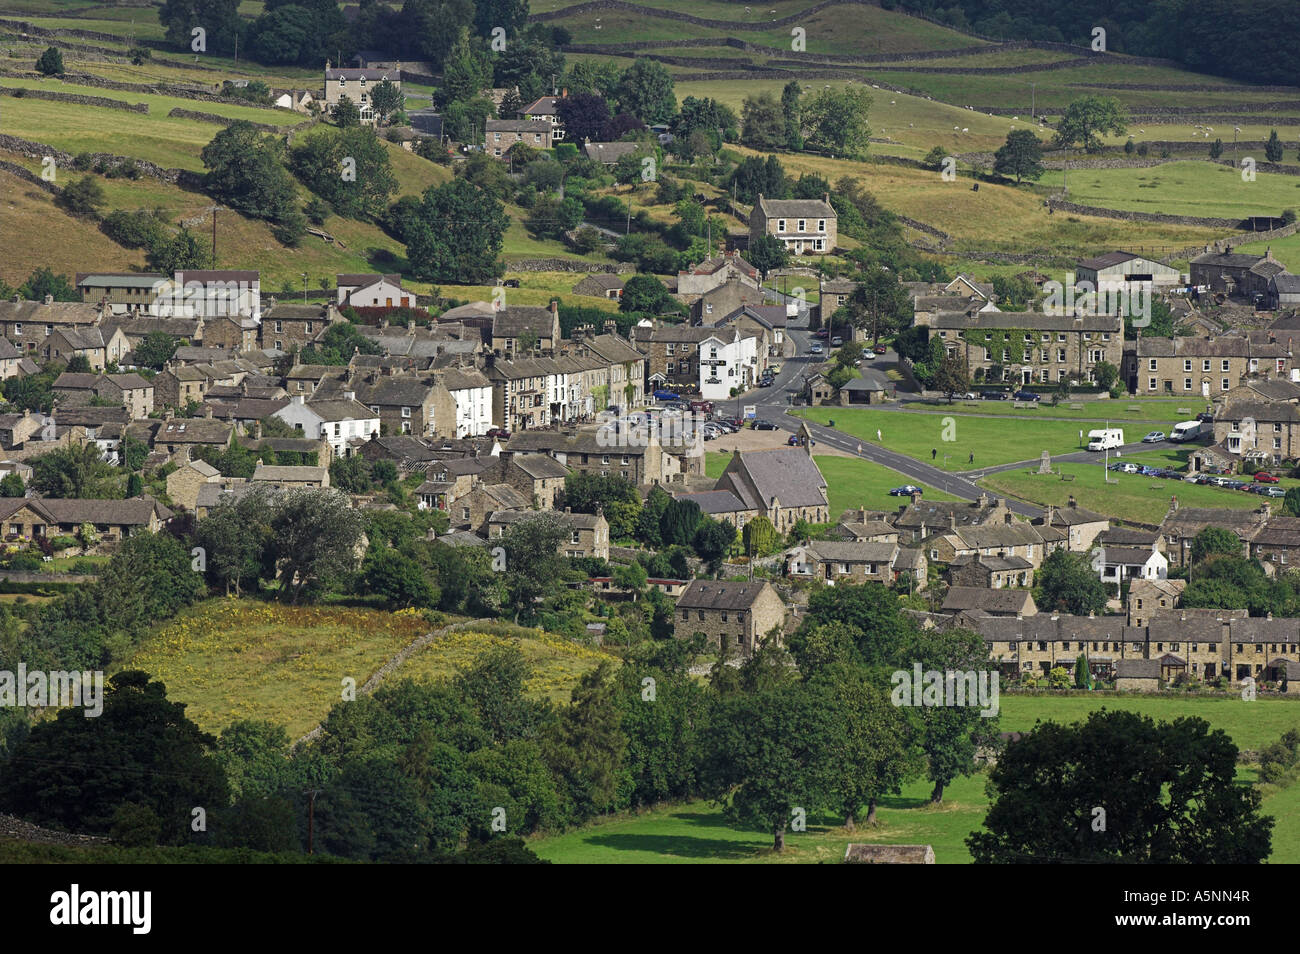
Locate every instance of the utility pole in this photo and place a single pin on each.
(214, 237)
(1033, 101)
(311, 794)
(304, 288)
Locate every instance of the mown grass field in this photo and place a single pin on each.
(1158, 411)
(1131, 498)
(229, 659)
(1182, 188)
(991, 440)
(696, 832)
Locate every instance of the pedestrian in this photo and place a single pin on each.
(859, 447)
(971, 459)
(934, 452)
(1080, 437)
(879, 438)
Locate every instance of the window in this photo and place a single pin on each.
(780, 225)
(1224, 385)
(1187, 384)
(1060, 354)
(1225, 365)
(1205, 365)
(1151, 384)
(1187, 365)
(406, 412)
(573, 538)
(803, 225)
(1151, 365)
(1060, 338)
(18, 328)
(279, 327)
(821, 225)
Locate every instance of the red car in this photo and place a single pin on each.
(1264, 477)
(821, 333)
(880, 349)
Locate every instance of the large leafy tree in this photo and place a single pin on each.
(75, 772)
(771, 752)
(219, 19)
(755, 176)
(584, 116)
(762, 122)
(646, 91)
(1087, 118)
(236, 538)
(1211, 541)
(510, 15)
(585, 746)
(43, 281)
(321, 159)
(183, 250)
(533, 562)
(1068, 583)
(76, 470)
(245, 170)
(1119, 787)
(767, 253)
(315, 537)
(432, 28)
(836, 119)
(156, 350)
(456, 235)
(1020, 156)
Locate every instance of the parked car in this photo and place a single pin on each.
(990, 395)
(1197, 478)
(836, 341)
(880, 349)
(774, 368)
(1205, 417)
(1264, 477)
(968, 396)
(500, 433)
(1155, 437)
(1235, 485)
(794, 440)
(905, 491)
(1026, 396)
(765, 382)
(1126, 467)
(759, 425)
(1148, 471)
(1170, 474)
(821, 333)
(1269, 491)
(816, 349)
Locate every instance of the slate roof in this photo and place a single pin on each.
(1137, 669)
(720, 595)
(520, 319)
(796, 208)
(539, 466)
(341, 410)
(1029, 321)
(1108, 260)
(963, 598)
(786, 473)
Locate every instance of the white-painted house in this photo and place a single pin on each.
(1117, 564)
(373, 291)
(472, 392)
(727, 360)
(337, 421)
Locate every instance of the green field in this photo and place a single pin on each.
(1131, 498)
(1158, 411)
(1182, 188)
(992, 441)
(696, 832)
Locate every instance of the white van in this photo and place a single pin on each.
(1105, 438)
(1186, 431)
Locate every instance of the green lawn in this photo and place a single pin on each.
(696, 832)
(1182, 188)
(1154, 411)
(992, 441)
(1131, 498)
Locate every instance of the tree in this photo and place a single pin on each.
(181, 251)
(875, 744)
(219, 19)
(1088, 117)
(11, 485)
(771, 752)
(134, 485)
(315, 535)
(1216, 148)
(836, 119)
(762, 122)
(754, 177)
(790, 95)
(760, 537)
(645, 294)
(50, 62)
(584, 115)
(83, 197)
(533, 563)
(43, 281)
(140, 750)
(1273, 148)
(79, 364)
(1082, 675)
(386, 99)
(75, 470)
(679, 521)
(346, 113)
(1068, 583)
(245, 170)
(934, 158)
(467, 71)
(397, 578)
(456, 235)
(1020, 156)
(584, 747)
(952, 376)
(1211, 541)
(156, 350)
(1107, 374)
(236, 538)
(1291, 502)
(1167, 791)
(767, 253)
(646, 91)
(712, 542)
(349, 169)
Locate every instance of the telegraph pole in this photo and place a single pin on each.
(214, 237)
(311, 794)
